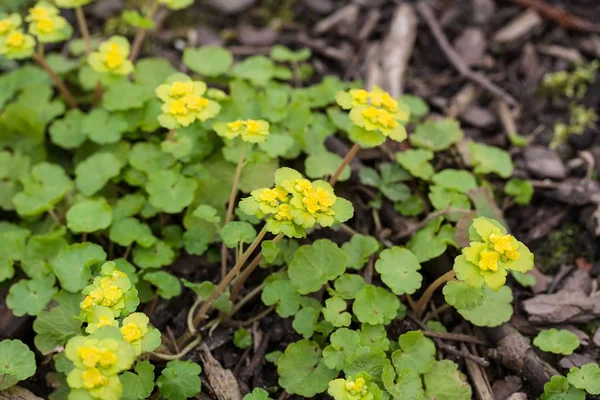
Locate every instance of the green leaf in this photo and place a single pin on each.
(430, 241)
(237, 232)
(282, 293)
(406, 386)
(374, 336)
(72, 265)
(520, 190)
(417, 162)
(489, 159)
(437, 135)
(242, 339)
(257, 69)
(460, 181)
(324, 164)
(557, 341)
(347, 286)
(129, 230)
(125, 95)
(316, 264)
(38, 96)
(168, 285)
(135, 19)
(170, 192)
(269, 250)
(44, 187)
(559, 389)
(359, 249)
(148, 158)
(205, 289)
(411, 207)
(524, 279)
(94, 172)
(462, 296)
(374, 305)
(152, 72)
(399, 270)
(371, 360)
(208, 60)
(417, 352)
(495, 309)
(283, 54)
(128, 206)
(207, 213)
(67, 132)
(334, 312)
(418, 108)
(40, 250)
(196, 240)
(89, 216)
(158, 255)
(305, 321)
(436, 326)
(103, 127)
(180, 380)
(17, 362)
(445, 382)
(587, 377)
(257, 394)
(139, 385)
(343, 343)
(54, 327)
(31, 296)
(258, 175)
(302, 369)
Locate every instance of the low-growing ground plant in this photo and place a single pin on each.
(112, 167)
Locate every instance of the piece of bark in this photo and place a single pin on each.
(397, 48)
(571, 307)
(479, 379)
(504, 388)
(577, 192)
(518, 27)
(515, 353)
(222, 381)
(575, 360)
(17, 393)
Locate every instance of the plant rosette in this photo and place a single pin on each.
(490, 255)
(112, 57)
(17, 45)
(183, 102)
(375, 116)
(296, 204)
(358, 387)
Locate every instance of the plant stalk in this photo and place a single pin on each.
(349, 156)
(422, 302)
(187, 349)
(141, 34)
(83, 28)
(60, 84)
(231, 205)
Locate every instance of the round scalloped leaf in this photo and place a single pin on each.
(316, 264)
(158, 255)
(72, 264)
(54, 327)
(359, 249)
(460, 181)
(416, 162)
(399, 270)
(489, 159)
(445, 382)
(45, 186)
(559, 389)
(180, 380)
(148, 158)
(242, 339)
(237, 232)
(347, 286)
(95, 171)
(125, 95)
(140, 384)
(302, 369)
(40, 250)
(323, 164)
(31, 296)
(366, 139)
(204, 289)
(406, 386)
(305, 321)
(282, 293)
(257, 394)
(343, 343)
(208, 60)
(462, 296)
(257, 69)
(495, 309)
(520, 190)
(103, 127)
(557, 341)
(89, 216)
(417, 352)
(66, 132)
(17, 362)
(374, 336)
(335, 312)
(129, 230)
(587, 377)
(374, 305)
(437, 135)
(169, 191)
(367, 359)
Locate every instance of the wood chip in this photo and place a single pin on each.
(222, 381)
(572, 307)
(565, 53)
(470, 45)
(518, 27)
(504, 388)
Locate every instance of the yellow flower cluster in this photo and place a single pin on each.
(376, 98)
(315, 199)
(92, 356)
(131, 332)
(14, 44)
(107, 294)
(357, 387)
(250, 130)
(112, 57)
(501, 247)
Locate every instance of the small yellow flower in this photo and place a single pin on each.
(131, 332)
(356, 387)
(311, 202)
(89, 356)
(111, 296)
(380, 117)
(45, 25)
(15, 40)
(360, 96)
(87, 302)
(489, 260)
(104, 321)
(178, 107)
(196, 103)
(303, 186)
(180, 89)
(235, 125)
(503, 245)
(325, 200)
(113, 57)
(92, 378)
(118, 274)
(283, 213)
(9, 24)
(380, 98)
(40, 12)
(107, 358)
(269, 196)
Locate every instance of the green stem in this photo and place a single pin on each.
(422, 302)
(231, 204)
(83, 28)
(60, 84)
(187, 349)
(141, 34)
(349, 156)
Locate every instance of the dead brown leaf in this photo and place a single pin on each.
(561, 307)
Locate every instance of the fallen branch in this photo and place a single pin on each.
(427, 13)
(563, 17)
